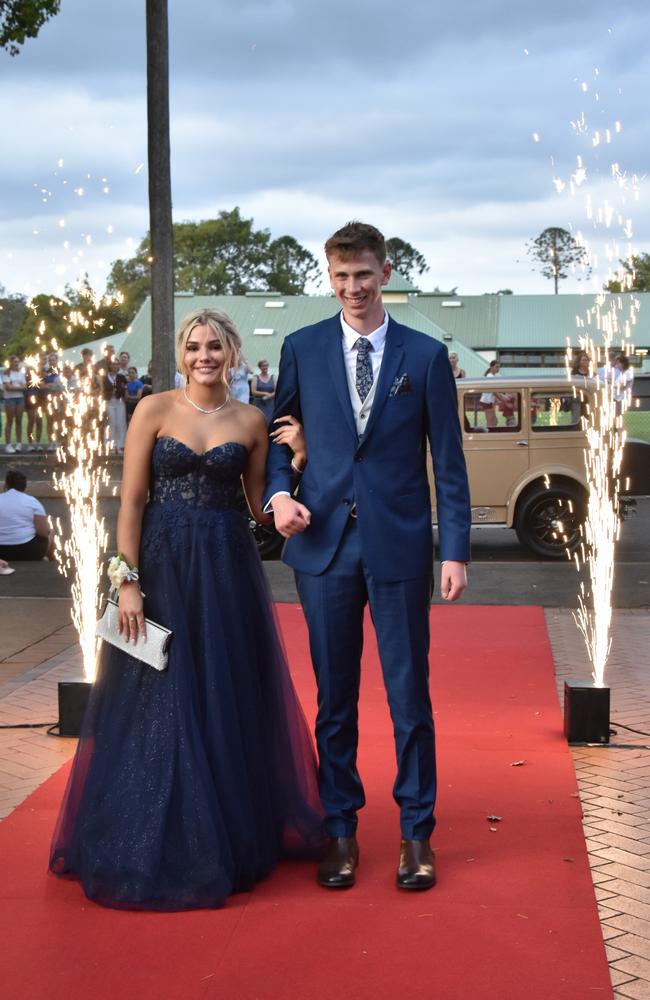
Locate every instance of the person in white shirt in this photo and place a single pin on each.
(14, 383)
(488, 399)
(25, 532)
(623, 384)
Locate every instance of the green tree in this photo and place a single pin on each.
(222, 256)
(405, 258)
(80, 316)
(45, 320)
(290, 266)
(637, 270)
(13, 309)
(23, 19)
(557, 253)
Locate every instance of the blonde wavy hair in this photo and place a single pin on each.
(224, 330)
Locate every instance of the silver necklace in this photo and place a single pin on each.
(201, 409)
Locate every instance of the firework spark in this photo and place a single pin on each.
(604, 398)
(80, 555)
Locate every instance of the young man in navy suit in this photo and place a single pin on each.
(370, 393)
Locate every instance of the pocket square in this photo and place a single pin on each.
(400, 386)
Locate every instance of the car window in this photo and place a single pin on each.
(496, 411)
(555, 411)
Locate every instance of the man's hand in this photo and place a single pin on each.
(290, 516)
(453, 580)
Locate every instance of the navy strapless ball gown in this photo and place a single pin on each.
(188, 785)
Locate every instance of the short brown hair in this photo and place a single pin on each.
(355, 237)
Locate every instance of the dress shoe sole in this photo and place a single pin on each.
(347, 884)
(414, 887)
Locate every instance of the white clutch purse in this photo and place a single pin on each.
(153, 650)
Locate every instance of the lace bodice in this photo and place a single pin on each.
(211, 479)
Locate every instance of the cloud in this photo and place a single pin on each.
(306, 114)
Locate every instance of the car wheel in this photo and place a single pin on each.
(548, 521)
(268, 541)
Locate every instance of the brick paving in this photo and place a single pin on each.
(614, 785)
(614, 781)
(29, 756)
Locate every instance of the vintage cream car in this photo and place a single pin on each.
(524, 444)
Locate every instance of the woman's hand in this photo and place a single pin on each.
(131, 616)
(291, 434)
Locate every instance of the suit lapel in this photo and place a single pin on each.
(390, 363)
(337, 371)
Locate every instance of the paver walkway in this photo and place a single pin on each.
(614, 781)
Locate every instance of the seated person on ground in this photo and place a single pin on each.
(25, 532)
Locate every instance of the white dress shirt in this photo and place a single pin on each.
(378, 340)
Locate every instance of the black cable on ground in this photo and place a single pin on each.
(26, 725)
(629, 728)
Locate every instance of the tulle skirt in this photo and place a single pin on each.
(189, 785)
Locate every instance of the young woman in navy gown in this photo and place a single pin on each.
(189, 784)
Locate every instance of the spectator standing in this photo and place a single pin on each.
(25, 532)
(581, 365)
(263, 390)
(624, 382)
(239, 385)
(101, 368)
(457, 371)
(14, 382)
(113, 389)
(488, 399)
(51, 389)
(134, 387)
(123, 363)
(147, 380)
(34, 399)
(86, 365)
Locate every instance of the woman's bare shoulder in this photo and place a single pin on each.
(158, 402)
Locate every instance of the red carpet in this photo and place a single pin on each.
(512, 918)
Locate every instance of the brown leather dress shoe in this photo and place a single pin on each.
(417, 866)
(336, 870)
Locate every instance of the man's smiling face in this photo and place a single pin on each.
(357, 280)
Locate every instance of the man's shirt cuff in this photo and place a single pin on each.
(268, 509)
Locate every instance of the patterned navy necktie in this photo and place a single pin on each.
(364, 377)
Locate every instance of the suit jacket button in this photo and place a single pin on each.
(358, 458)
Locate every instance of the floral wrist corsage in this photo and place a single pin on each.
(120, 571)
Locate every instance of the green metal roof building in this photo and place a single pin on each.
(528, 333)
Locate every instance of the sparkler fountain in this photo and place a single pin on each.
(80, 555)
(586, 703)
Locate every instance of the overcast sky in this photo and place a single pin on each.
(446, 124)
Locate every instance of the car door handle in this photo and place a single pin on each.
(522, 444)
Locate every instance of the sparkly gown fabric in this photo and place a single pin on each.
(188, 785)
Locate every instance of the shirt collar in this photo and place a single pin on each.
(376, 338)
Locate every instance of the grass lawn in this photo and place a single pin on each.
(637, 424)
(43, 441)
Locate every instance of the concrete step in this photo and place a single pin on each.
(39, 469)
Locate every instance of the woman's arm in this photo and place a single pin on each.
(290, 433)
(254, 477)
(140, 440)
(254, 390)
(42, 525)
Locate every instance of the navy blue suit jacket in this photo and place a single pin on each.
(384, 472)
